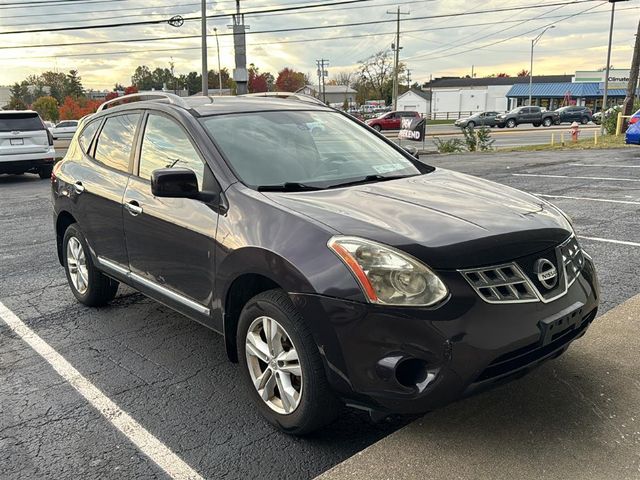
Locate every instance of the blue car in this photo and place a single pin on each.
(633, 131)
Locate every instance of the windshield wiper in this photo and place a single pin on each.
(288, 187)
(370, 179)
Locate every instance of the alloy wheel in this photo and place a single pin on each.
(274, 365)
(77, 265)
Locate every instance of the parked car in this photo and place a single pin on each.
(352, 273)
(390, 120)
(487, 119)
(25, 144)
(632, 134)
(65, 129)
(574, 113)
(531, 115)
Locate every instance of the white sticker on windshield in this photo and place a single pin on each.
(389, 167)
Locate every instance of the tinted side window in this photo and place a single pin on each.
(534, 110)
(116, 141)
(165, 145)
(87, 135)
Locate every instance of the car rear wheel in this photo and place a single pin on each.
(282, 367)
(45, 172)
(584, 120)
(88, 284)
(511, 123)
(536, 125)
(547, 122)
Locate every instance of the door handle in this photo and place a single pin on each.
(78, 187)
(133, 208)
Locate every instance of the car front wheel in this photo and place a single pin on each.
(282, 367)
(511, 123)
(88, 284)
(584, 120)
(377, 128)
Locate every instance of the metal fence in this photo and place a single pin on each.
(449, 115)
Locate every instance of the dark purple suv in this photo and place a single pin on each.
(339, 268)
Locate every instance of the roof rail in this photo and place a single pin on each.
(295, 96)
(144, 96)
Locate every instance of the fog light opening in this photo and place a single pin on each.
(411, 372)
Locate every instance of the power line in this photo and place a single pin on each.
(157, 22)
(307, 40)
(46, 3)
(295, 29)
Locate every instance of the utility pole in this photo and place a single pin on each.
(215, 31)
(396, 62)
(322, 74)
(533, 44)
(240, 74)
(632, 87)
(408, 78)
(205, 69)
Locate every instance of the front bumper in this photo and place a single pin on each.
(399, 360)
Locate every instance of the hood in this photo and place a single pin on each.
(448, 220)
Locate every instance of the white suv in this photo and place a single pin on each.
(25, 144)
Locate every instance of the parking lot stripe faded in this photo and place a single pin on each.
(606, 200)
(609, 240)
(577, 178)
(602, 165)
(153, 448)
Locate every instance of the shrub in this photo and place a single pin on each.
(454, 145)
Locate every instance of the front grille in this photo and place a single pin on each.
(508, 283)
(573, 259)
(501, 284)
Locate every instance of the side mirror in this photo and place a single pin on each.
(174, 183)
(413, 151)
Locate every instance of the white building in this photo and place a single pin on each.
(415, 101)
(334, 94)
(453, 97)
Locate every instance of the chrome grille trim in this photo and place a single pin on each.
(505, 283)
(487, 282)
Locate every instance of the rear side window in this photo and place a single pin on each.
(166, 145)
(23, 122)
(87, 135)
(115, 141)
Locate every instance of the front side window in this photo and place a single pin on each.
(314, 148)
(116, 141)
(166, 145)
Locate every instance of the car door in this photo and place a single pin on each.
(171, 241)
(98, 180)
(490, 119)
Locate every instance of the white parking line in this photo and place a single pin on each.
(626, 202)
(608, 240)
(577, 178)
(153, 448)
(602, 165)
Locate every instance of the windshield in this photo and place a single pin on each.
(22, 122)
(317, 149)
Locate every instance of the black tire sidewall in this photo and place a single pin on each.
(298, 333)
(89, 297)
(377, 128)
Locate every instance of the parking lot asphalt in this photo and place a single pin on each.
(171, 375)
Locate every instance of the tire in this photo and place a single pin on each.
(584, 120)
(547, 122)
(98, 288)
(316, 405)
(536, 125)
(511, 123)
(45, 172)
(500, 126)
(471, 125)
(377, 128)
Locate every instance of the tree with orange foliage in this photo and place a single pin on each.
(74, 109)
(289, 80)
(111, 96)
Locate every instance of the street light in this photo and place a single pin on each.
(533, 44)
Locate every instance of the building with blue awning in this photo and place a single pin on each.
(554, 95)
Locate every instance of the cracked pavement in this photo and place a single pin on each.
(172, 375)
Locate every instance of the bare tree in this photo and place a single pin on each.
(376, 71)
(344, 78)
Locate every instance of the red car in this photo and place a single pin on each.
(390, 120)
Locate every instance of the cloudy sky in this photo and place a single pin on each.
(438, 45)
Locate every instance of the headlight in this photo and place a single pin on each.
(388, 276)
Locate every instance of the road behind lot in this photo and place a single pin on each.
(172, 376)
